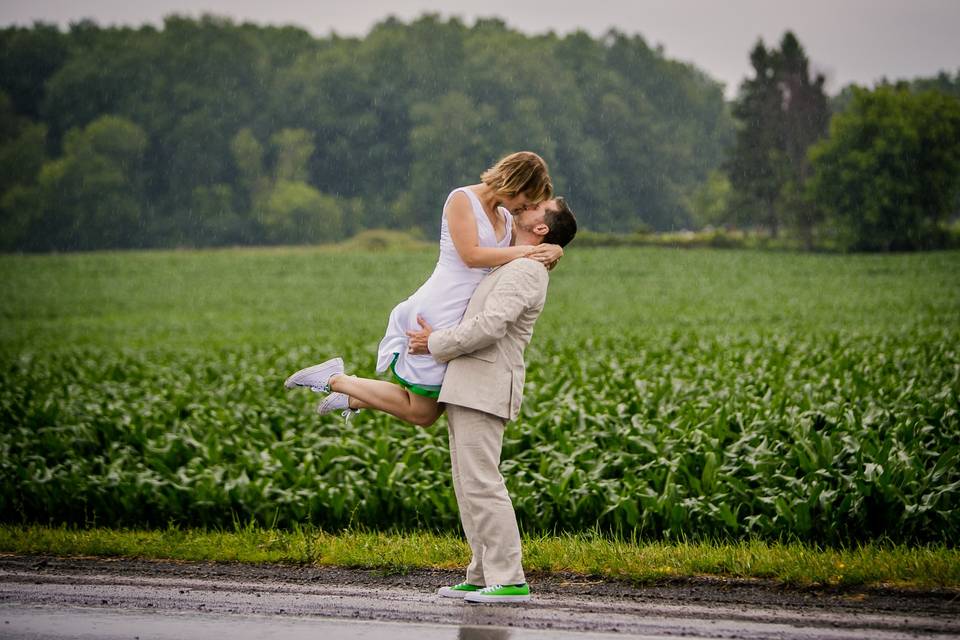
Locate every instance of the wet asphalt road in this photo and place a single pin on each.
(90, 598)
(25, 622)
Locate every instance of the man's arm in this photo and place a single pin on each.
(518, 290)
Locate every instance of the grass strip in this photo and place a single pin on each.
(795, 564)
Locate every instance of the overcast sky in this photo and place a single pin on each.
(847, 40)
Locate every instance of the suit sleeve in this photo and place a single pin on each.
(522, 287)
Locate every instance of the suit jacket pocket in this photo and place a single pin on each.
(517, 376)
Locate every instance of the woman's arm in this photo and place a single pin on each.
(463, 232)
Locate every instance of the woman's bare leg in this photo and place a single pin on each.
(387, 397)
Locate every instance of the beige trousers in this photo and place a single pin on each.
(486, 511)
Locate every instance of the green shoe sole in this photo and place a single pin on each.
(458, 590)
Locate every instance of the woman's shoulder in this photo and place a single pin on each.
(466, 192)
(462, 199)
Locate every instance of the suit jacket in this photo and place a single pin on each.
(485, 351)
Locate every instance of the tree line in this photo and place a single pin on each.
(205, 132)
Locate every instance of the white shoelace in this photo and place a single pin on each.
(492, 587)
(349, 413)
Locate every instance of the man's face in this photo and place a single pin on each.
(532, 215)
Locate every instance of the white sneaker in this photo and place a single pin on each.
(316, 377)
(337, 401)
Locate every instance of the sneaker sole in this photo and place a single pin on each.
(478, 598)
(447, 592)
(334, 365)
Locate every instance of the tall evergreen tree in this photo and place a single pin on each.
(806, 116)
(782, 111)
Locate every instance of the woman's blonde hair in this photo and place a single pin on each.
(520, 172)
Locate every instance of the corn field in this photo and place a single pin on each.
(671, 394)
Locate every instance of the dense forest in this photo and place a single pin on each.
(206, 132)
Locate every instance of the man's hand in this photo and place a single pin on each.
(417, 344)
(547, 254)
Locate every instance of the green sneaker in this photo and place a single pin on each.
(458, 590)
(501, 593)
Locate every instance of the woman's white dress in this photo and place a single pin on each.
(441, 300)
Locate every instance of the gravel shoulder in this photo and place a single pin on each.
(701, 607)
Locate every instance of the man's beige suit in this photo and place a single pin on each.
(483, 388)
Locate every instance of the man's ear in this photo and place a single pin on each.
(541, 229)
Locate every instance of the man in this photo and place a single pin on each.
(482, 390)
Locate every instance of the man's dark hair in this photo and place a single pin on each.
(563, 226)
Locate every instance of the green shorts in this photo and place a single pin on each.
(425, 390)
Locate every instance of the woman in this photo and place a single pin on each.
(475, 236)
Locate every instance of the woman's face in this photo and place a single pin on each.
(516, 204)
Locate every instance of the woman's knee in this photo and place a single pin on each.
(425, 418)
(425, 412)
